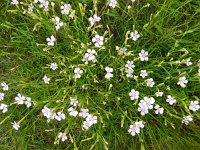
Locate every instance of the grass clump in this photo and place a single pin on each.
(99, 74)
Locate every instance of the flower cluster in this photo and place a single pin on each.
(58, 23)
(89, 121)
(67, 10)
(159, 110)
(20, 100)
(109, 73)
(90, 55)
(145, 105)
(135, 128)
(43, 4)
(187, 119)
(194, 105)
(50, 114)
(94, 19)
(129, 65)
(3, 107)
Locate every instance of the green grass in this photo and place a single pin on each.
(165, 27)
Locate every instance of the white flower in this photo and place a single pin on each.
(112, 3)
(4, 108)
(94, 19)
(121, 50)
(51, 40)
(109, 72)
(4, 86)
(199, 72)
(143, 55)
(134, 94)
(19, 99)
(143, 73)
(1, 96)
(73, 101)
(52, 115)
(44, 4)
(182, 82)
(187, 119)
(194, 105)
(159, 110)
(134, 35)
(53, 66)
(28, 102)
(47, 112)
(84, 113)
(15, 2)
(143, 108)
(139, 124)
(91, 119)
(86, 125)
(46, 79)
(72, 14)
(62, 136)
(187, 62)
(15, 125)
(133, 0)
(171, 100)
(60, 116)
(65, 8)
(135, 129)
(30, 7)
(149, 102)
(150, 82)
(72, 112)
(130, 64)
(78, 72)
(97, 40)
(90, 56)
(129, 73)
(58, 23)
(145, 105)
(159, 94)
